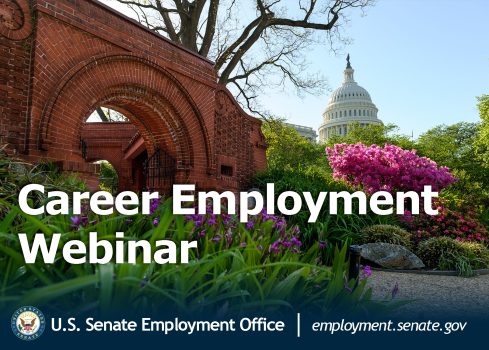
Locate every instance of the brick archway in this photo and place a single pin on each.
(143, 91)
(64, 59)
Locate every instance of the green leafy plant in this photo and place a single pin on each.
(386, 234)
(329, 230)
(15, 174)
(108, 178)
(449, 254)
(217, 279)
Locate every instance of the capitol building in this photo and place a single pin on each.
(350, 103)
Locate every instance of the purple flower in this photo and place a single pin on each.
(279, 224)
(216, 238)
(78, 221)
(212, 221)
(260, 247)
(275, 247)
(156, 221)
(243, 244)
(250, 225)
(366, 271)
(286, 244)
(226, 219)
(322, 245)
(395, 290)
(295, 241)
(154, 205)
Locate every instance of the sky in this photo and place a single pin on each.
(422, 61)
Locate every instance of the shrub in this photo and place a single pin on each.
(386, 234)
(449, 254)
(329, 230)
(448, 223)
(108, 178)
(15, 174)
(388, 168)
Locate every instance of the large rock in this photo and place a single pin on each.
(391, 256)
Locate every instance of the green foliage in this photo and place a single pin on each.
(15, 174)
(454, 146)
(449, 254)
(449, 145)
(386, 234)
(108, 178)
(289, 150)
(216, 281)
(329, 230)
(219, 279)
(482, 142)
(378, 134)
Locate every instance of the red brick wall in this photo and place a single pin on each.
(109, 141)
(15, 59)
(85, 55)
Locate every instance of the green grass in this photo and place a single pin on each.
(218, 279)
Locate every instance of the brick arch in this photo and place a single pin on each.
(171, 134)
(159, 105)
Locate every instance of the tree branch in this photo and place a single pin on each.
(210, 28)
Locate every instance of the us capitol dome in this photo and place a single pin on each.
(350, 103)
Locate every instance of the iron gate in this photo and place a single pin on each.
(159, 172)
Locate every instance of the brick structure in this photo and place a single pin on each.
(61, 59)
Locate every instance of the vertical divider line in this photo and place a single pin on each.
(298, 325)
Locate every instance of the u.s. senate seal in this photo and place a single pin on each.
(28, 323)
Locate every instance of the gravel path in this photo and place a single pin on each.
(434, 295)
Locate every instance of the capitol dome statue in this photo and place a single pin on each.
(350, 103)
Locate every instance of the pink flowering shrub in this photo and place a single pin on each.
(448, 223)
(389, 168)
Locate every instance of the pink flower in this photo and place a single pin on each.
(389, 168)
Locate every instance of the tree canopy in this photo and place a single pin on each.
(255, 43)
(287, 149)
(482, 141)
(450, 145)
(373, 134)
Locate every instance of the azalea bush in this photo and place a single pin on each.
(448, 223)
(389, 168)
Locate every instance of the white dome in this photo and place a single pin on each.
(349, 92)
(350, 103)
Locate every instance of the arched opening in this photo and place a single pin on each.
(108, 178)
(126, 160)
(172, 141)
